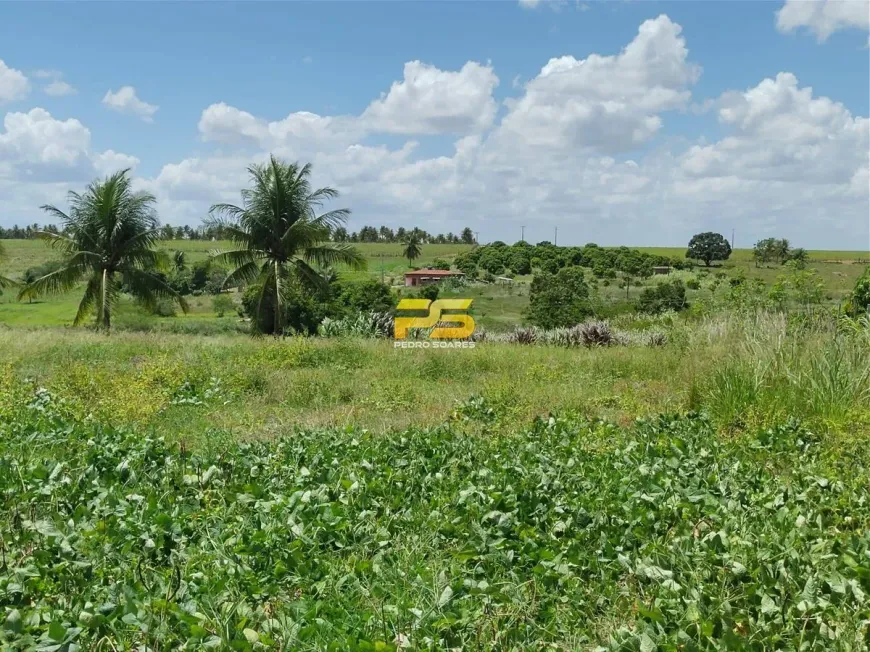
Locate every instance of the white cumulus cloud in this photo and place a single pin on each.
(124, 100)
(823, 17)
(609, 103)
(433, 101)
(13, 84)
(36, 147)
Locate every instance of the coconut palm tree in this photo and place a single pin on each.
(411, 248)
(4, 282)
(109, 238)
(280, 239)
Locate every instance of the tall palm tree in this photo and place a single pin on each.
(4, 282)
(279, 237)
(411, 248)
(109, 240)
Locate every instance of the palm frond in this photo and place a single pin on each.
(333, 219)
(89, 300)
(148, 288)
(57, 282)
(237, 257)
(329, 254)
(246, 273)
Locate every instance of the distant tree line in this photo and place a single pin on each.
(386, 234)
(16, 232)
(209, 231)
(520, 258)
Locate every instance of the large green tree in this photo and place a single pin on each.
(108, 241)
(708, 247)
(280, 239)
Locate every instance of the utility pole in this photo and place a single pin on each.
(523, 237)
(477, 237)
(732, 238)
(556, 236)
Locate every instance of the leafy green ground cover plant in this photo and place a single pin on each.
(564, 534)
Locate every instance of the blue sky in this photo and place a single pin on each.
(550, 154)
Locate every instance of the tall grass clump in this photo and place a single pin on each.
(777, 369)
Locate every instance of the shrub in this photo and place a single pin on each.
(214, 283)
(491, 260)
(303, 311)
(524, 335)
(693, 284)
(366, 324)
(440, 263)
(165, 308)
(861, 294)
(429, 292)
(550, 265)
(467, 264)
(662, 297)
(222, 304)
(369, 295)
(39, 271)
(595, 333)
(560, 299)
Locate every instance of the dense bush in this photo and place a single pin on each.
(520, 263)
(39, 271)
(670, 295)
(222, 304)
(429, 292)
(492, 260)
(861, 294)
(369, 295)
(560, 299)
(467, 264)
(165, 308)
(303, 310)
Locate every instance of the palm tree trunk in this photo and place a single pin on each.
(277, 312)
(103, 315)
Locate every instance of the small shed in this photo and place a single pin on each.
(662, 270)
(428, 276)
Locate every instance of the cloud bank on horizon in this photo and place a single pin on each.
(582, 145)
